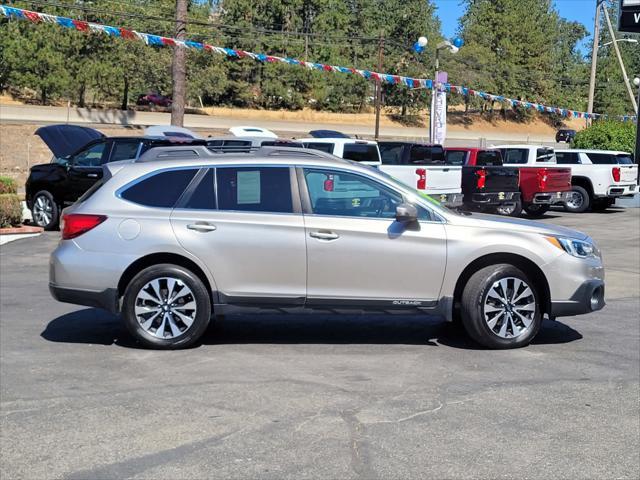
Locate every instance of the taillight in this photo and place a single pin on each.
(481, 181)
(422, 179)
(328, 184)
(75, 224)
(542, 179)
(615, 171)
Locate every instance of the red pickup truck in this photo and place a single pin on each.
(542, 182)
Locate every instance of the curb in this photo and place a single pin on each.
(20, 230)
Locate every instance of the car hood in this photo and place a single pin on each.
(64, 140)
(480, 220)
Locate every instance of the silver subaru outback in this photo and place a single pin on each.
(183, 234)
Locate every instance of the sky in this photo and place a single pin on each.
(582, 11)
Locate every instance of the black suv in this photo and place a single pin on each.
(78, 156)
(565, 135)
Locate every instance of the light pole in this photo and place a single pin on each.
(628, 40)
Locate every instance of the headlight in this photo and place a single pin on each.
(575, 247)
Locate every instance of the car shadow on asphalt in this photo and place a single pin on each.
(95, 326)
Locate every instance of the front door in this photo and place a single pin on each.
(245, 225)
(358, 254)
(84, 169)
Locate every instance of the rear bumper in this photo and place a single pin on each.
(589, 297)
(549, 198)
(106, 299)
(492, 198)
(449, 199)
(621, 190)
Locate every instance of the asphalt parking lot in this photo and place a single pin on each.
(318, 396)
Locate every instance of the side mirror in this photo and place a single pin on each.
(406, 213)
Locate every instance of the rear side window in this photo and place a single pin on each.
(254, 189)
(545, 155)
(489, 158)
(568, 158)
(609, 159)
(515, 155)
(323, 147)
(361, 152)
(160, 190)
(455, 157)
(124, 150)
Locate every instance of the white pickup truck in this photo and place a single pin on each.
(418, 165)
(598, 177)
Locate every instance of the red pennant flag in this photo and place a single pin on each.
(327, 68)
(127, 34)
(168, 41)
(81, 26)
(32, 16)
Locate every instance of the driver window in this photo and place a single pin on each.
(90, 157)
(338, 193)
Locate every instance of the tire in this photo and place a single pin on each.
(182, 322)
(514, 211)
(536, 210)
(517, 325)
(45, 211)
(580, 200)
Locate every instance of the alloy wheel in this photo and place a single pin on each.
(165, 307)
(42, 211)
(509, 307)
(575, 201)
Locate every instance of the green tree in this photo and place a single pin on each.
(607, 135)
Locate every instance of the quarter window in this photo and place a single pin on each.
(161, 189)
(203, 196)
(323, 147)
(266, 189)
(344, 194)
(91, 157)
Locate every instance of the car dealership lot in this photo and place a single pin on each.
(320, 396)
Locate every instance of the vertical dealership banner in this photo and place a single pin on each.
(629, 19)
(439, 110)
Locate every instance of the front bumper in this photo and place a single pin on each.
(492, 198)
(549, 198)
(107, 299)
(589, 297)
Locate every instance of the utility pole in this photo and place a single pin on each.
(594, 57)
(378, 99)
(178, 67)
(617, 49)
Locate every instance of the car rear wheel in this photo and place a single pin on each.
(510, 209)
(167, 307)
(45, 211)
(579, 200)
(500, 307)
(536, 210)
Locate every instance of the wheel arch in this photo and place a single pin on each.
(163, 257)
(527, 266)
(584, 182)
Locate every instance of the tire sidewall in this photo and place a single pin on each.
(55, 210)
(202, 298)
(475, 323)
(516, 212)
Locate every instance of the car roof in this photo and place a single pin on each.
(586, 150)
(402, 142)
(521, 145)
(337, 140)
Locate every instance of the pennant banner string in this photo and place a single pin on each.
(386, 78)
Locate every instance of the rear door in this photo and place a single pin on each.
(245, 224)
(84, 169)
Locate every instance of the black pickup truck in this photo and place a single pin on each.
(78, 156)
(487, 185)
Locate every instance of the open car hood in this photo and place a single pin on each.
(64, 140)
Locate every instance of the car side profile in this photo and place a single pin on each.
(184, 234)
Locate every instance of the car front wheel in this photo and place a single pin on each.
(500, 307)
(166, 307)
(45, 211)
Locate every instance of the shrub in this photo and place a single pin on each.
(8, 185)
(10, 210)
(607, 135)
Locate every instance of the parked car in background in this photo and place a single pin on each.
(245, 144)
(565, 135)
(598, 177)
(542, 182)
(78, 156)
(154, 99)
(487, 185)
(364, 151)
(423, 167)
(169, 240)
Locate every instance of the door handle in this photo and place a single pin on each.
(324, 235)
(201, 227)
(92, 175)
